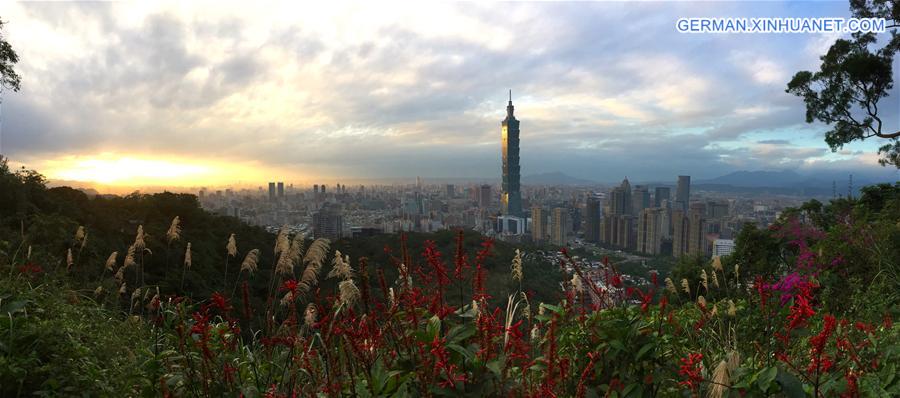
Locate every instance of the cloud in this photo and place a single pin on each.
(360, 90)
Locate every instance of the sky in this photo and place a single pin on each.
(212, 93)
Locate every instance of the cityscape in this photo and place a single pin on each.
(450, 199)
(657, 219)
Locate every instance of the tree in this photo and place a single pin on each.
(853, 78)
(9, 79)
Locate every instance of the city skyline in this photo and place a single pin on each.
(119, 95)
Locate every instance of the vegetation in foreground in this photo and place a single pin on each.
(804, 308)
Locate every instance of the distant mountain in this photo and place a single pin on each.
(756, 179)
(555, 178)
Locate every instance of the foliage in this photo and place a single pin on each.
(852, 79)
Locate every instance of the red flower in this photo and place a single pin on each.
(289, 285)
(690, 369)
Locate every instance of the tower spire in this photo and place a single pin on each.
(510, 96)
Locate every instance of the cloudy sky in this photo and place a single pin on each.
(211, 93)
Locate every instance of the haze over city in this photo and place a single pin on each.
(122, 95)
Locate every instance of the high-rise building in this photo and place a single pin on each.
(592, 220)
(511, 200)
(716, 209)
(696, 245)
(649, 235)
(679, 232)
(271, 191)
(316, 189)
(539, 230)
(559, 226)
(661, 194)
(451, 191)
(640, 198)
(484, 196)
(328, 222)
(683, 193)
(280, 190)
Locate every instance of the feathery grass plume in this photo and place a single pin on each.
(139, 244)
(392, 300)
(282, 242)
(120, 274)
(476, 309)
(670, 286)
(231, 247)
(517, 267)
(732, 310)
(187, 256)
(122, 288)
(704, 280)
(717, 263)
(79, 234)
(721, 379)
(28, 256)
(535, 332)
(526, 309)
(576, 284)
(69, 260)
(686, 286)
(111, 261)
(287, 299)
(290, 257)
(701, 301)
(174, 232)
(251, 260)
(129, 257)
(313, 259)
(715, 310)
(349, 292)
(340, 267)
(310, 315)
(136, 295)
(541, 309)
(737, 271)
(715, 280)
(98, 291)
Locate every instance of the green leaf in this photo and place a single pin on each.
(494, 366)
(766, 377)
(646, 348)
(791, 386)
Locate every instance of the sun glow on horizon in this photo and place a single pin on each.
(132, 171)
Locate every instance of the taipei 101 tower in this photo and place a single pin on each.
(512, 197)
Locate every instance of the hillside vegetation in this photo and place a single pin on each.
(804, 308)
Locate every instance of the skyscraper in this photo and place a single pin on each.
(484, 196)
(328, 222)
(683, 193)
(661, 194)
(559, 227)
(650, 223)
(539, 230)
(511, 201)
(280, 190)
(592, 220)
(640, 199)
(271, 191)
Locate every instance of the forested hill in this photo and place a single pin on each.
(48, 218)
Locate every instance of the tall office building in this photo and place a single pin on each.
(661, 194)
(640, 198)
(484, 196)
(696, 245)
(539, 230)
(679, 232)
(649, 234)
(592, 220)
(280, 190)
(271, 191)
(451, 191)
(559, 226)
(683, 193)
(511, 200)
(328, 222)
